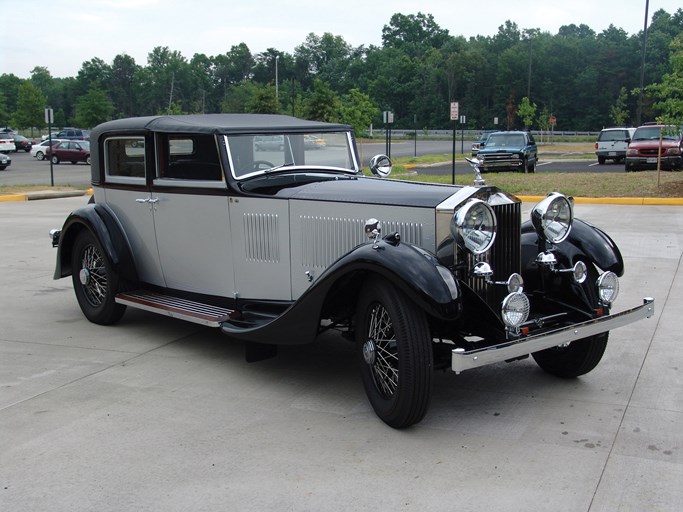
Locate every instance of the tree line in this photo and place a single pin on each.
(520, 77)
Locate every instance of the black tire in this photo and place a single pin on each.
(95, 282)
(55, 159)
(601, 160)
(73, 163)
(40, 155)
(26, 150)
(577, 358)
(395, 354)
(87, 160)
(530, 167)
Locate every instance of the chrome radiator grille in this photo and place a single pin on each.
(504, 257)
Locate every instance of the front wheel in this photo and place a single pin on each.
(55, 159)
(95, 281)
(577, 358)
(394, 349)
(40, 155)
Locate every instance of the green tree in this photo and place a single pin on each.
(264, 101)
(618, 112)
(358, 110)
(93, 108)
(322, 104)
(31, 104)
(527, 112)
(668, 93)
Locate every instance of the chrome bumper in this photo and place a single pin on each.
(465, 360)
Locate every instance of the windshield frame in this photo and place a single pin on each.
(292, 150)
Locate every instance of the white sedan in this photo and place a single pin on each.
(38, 151)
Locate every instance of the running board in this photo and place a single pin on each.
(175, 307)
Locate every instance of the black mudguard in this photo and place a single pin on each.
(412, 270)
(100, 222)
(585, 242)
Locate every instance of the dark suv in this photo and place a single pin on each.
(646, 147)
(72, 134)
(509, 151)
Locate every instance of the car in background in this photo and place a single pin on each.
(612, 144)
(5, 161)
(21, 143)
(6, 142)
(38, 150)
(70, 134)
(509, 151)
(482, 141)
(314, 142)
(73, 151)
(644, 150)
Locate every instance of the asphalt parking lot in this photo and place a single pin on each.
(154, 414)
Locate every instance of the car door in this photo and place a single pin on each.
(126, 194)
(189, 202)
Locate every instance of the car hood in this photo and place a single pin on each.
(370, 190)
(666, 143)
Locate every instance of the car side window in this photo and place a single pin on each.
(124, 158)
(189, 157)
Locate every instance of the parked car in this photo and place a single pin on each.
(189, 221)
(38, 150)
(5, 161)
(21, 143)
(73, 151)
(482, 141)
(70, 134)
(612, 144)
(644, 149)
(509, 151)
(6, 143)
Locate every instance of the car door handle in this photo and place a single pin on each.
(142, 201)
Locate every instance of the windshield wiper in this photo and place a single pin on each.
(273, 169)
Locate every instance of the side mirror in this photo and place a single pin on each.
(380, 166)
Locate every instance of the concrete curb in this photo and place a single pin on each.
(44, 194)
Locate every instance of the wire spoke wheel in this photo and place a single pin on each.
(95, 281)
(395, 354)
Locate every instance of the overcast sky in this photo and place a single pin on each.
(62, 34)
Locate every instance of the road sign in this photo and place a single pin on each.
(49, 116)
(454, 111)
(553, 120)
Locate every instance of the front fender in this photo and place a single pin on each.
(414, 271)
(99, 221)
(585, 242)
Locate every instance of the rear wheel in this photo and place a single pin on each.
(95, 281)
(530, 166)
(601, 160)
(395, 354)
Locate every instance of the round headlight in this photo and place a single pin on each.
(474, 226)
(552, 218)
(515, 310)
(608, 287)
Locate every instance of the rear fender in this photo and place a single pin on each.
(99, 221)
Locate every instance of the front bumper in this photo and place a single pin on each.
(667, 162)
(462, 359)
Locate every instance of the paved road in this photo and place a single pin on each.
(157, 415)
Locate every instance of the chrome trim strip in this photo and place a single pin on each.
(463, 360)
(175, 307)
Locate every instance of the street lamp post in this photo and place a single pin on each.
(277, 92)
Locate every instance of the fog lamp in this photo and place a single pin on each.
(515, 283)
(580, 272)
(515, 310)
(608, 287)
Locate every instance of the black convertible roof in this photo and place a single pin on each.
(216, 124)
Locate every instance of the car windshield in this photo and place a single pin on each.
(652, 133)
(258, 154)
(503, 140)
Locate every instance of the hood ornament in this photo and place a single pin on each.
(475, 163)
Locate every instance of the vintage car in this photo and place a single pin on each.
(190, 219)
(509, 151)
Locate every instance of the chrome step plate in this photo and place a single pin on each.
(183, 309)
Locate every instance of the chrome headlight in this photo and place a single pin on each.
(515, 310)
(474, 226)
(608, 287)
(552, 218)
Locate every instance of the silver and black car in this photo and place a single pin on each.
(193, 218)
